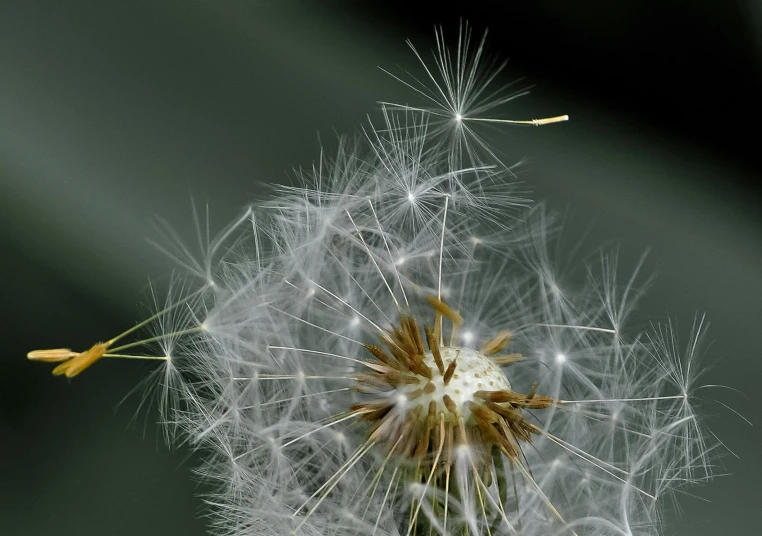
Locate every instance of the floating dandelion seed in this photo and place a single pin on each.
(73, 363)
(461, 91)
(387, 350)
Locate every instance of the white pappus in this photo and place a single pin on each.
(386, 349)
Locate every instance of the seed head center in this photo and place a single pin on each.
(474, 372)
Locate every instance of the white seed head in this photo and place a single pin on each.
(317, 426)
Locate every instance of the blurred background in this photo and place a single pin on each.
(115, 113)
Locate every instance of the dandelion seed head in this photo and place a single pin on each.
(409, 422)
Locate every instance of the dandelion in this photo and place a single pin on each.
(387, 349)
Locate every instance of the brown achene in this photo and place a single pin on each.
(71, 363)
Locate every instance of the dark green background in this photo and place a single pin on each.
(112, 114)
